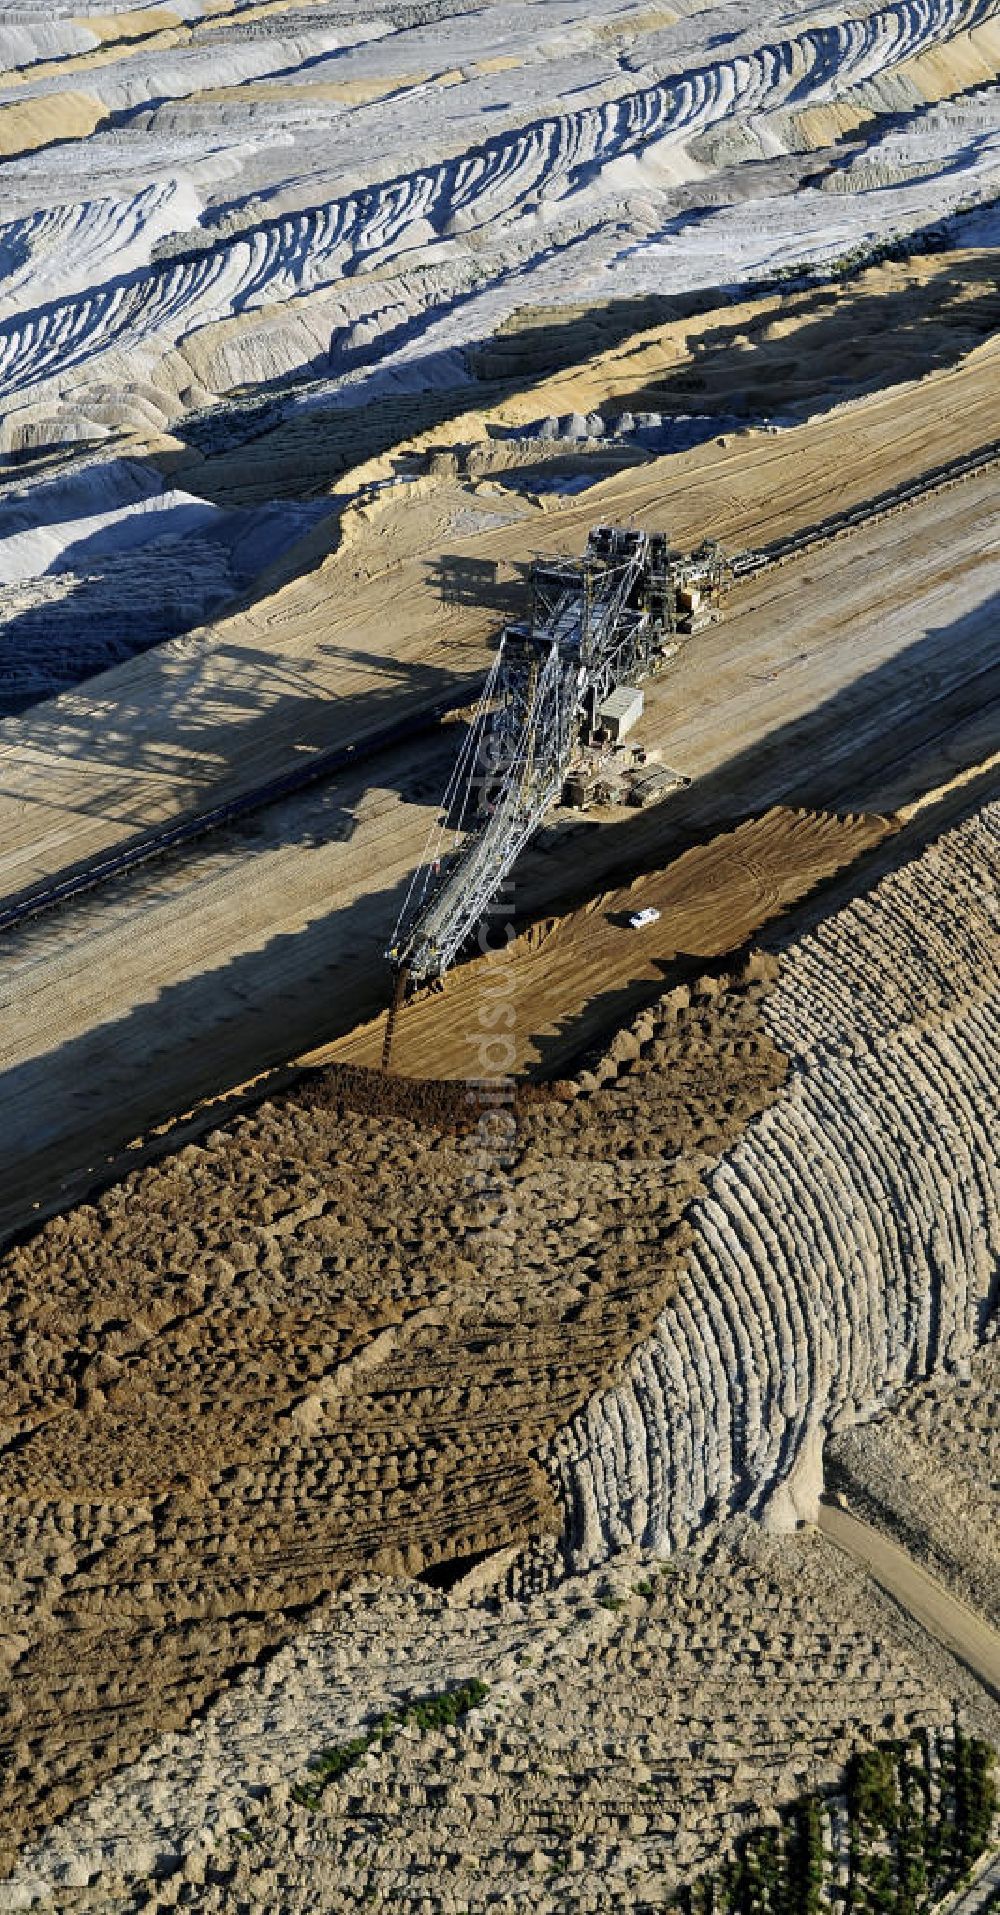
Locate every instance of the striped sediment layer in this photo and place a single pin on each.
(849, 1244)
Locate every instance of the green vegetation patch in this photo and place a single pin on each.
(423, 1712)
(912, 1819)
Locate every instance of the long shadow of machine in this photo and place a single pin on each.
(492, 585)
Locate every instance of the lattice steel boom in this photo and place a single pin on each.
(595, 623)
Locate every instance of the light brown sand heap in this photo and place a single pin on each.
(294, 1352)
(566, 979)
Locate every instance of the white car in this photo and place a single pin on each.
(648, 915)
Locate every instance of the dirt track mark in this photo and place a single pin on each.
(567, 980)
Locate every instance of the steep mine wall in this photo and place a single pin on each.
(850, 1242)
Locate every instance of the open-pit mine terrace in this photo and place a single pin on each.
(258, 1386)
(317, 323)
(852, 679)
(284, 1356)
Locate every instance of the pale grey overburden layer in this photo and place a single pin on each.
(325, 206)
(423, 211)
(849, 1244)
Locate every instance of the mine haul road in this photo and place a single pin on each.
(853, 678)
(944, 1616)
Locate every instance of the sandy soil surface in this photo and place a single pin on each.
(567, 978)
(400, 615)
(929, 1473)
(271, 941)
(335, 1336)
(316, 322)
(726, 1681)
(342, 1333)
(847, 1246)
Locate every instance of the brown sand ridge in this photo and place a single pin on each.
(773, 351)
(567, 979)
(27, 125)
(305, 1348)
(770, 353)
